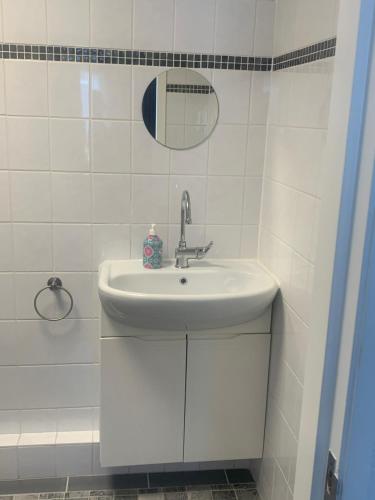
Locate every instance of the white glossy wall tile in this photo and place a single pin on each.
(81, 179)
(290, 210)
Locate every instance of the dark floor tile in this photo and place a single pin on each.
(239, 476)
(187, 478)
(224, 495)
(32, 486)
(246, 494)
(118, 482)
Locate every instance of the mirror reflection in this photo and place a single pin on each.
(180, 108)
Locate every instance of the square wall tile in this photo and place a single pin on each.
(111, 91)
(71, 197)
(72, 247)
(111, 198)
(194, 26)
(227, 241)
(74, 460)
(224, 200)
(228, 150)
(197, 187)
(111, 23)
(32, 247)
(110, 241)
(36, 461)
(7, 310)
(263, 39)
(8, 463)
(31, 196)
(110, 146)
(306, 225)
(3, 145)
(26, 88)
(38, 421)
(26, 285)
(27, 387)
(75, 419)
(68, 90)
(256, 148)
(249, 242)
(233, 90)
(150, 198)
(253, 193)
(24, 21)
(191, 161)
(68, 22)
(10, 420)
(4, 197)
(301, 286)
(153, 24)
(70, 146)
(260, 96)
(6, 247)
(28, 143)
(235, 18)
(148, 156)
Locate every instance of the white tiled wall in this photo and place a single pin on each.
(81, 179)
(290, 211)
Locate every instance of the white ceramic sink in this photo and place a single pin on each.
(209, 294)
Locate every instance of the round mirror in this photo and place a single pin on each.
(180, 108)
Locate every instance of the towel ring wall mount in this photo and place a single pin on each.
(54, 284)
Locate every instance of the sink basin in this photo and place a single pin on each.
(209, 294)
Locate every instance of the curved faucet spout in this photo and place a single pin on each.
(185, 216)
(184, 254)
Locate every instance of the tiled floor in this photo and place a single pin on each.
(233, 484)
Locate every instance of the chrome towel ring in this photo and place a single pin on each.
(54, 284)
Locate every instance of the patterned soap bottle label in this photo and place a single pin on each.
(152, 252)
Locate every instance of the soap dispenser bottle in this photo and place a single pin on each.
(152, 250)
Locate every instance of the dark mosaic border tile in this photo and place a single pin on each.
(63, 53)
(311, 53)
(181, 88)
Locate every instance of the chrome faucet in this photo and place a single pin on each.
(183, 253)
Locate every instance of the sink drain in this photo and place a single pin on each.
(183, 281)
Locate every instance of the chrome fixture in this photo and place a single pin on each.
(183, 253)
(54, 284)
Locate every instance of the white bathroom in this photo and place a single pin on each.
(186, 223)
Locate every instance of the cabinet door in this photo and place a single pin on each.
(142, 401)
(226, 397)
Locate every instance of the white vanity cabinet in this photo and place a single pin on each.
(172, 396)
(226, 391)
(142, 400)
